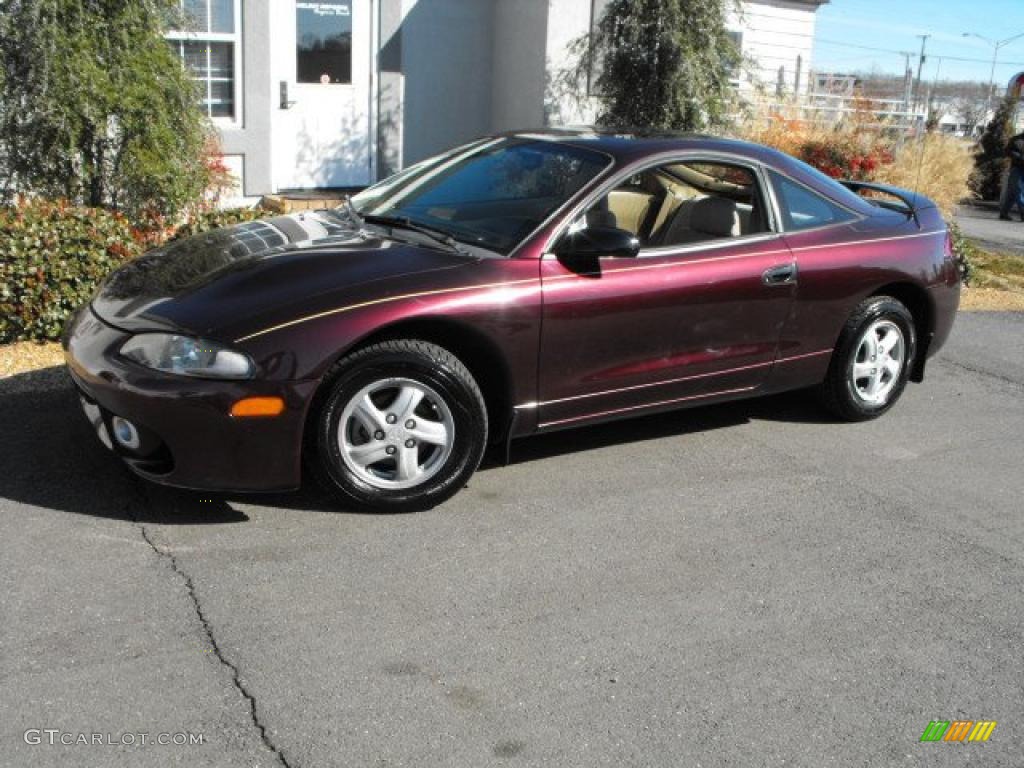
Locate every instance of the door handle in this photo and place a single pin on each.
(283, 90)
(784, 274)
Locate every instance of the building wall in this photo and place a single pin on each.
(447, 66)
(776, 34)
(391, 89)
(568, 20)
(518, 66)
(251, 141)
(451, 70)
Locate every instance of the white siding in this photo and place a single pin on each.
(776, 34)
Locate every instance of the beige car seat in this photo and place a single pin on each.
(630, 208)
(706, 219)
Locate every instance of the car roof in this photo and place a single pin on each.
(630, 143)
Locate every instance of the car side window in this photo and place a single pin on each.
(802, 208)
(683, 203)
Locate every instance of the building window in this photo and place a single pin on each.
(210, 49)
(323, 42)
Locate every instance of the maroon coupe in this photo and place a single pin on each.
(518, 284)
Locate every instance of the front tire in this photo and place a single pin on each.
(872, 361)
(401, 427)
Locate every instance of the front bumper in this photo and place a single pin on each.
(189, 438)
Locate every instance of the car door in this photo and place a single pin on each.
(688, 319)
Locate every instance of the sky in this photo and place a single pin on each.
(893, 25)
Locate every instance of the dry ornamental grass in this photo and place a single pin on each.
(858, 147)
(24, 356)
(937, 166)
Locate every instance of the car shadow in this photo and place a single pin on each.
(52, 459)
(794, 407)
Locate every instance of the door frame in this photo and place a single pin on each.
(282, 175)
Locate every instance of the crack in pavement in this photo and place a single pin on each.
(980, 371)
(207, 628)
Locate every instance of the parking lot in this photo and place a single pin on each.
(747, 584)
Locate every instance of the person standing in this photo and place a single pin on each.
(1014, 192)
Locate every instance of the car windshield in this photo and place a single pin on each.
(491, 194)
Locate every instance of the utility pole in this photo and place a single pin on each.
(908, 84)
(920, 66)
(908, 80)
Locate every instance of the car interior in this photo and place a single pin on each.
(684, 203)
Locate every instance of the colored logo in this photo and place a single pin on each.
(958, 730)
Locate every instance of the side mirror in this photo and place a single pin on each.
(594, 242)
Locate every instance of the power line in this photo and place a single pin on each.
(779, 32)
(859, 47)
(900, 53)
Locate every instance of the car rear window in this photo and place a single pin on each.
(830, 186)
(803, 208)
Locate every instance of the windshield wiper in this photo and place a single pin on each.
(352, 213)
(404, 222)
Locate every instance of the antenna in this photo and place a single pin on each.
(923, 136)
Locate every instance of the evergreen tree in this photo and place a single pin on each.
(662, 64)
(990, 160)
(95, 106)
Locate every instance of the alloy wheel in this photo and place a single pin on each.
(878, 362)
(396, 433)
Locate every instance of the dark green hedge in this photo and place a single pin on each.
(53, 255)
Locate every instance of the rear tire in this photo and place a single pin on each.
(401, 426)
(872, 362)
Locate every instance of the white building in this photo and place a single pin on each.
(777, 36)
(340, 93)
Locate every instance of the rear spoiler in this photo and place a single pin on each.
(912, 201)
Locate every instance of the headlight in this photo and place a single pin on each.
(186, 356)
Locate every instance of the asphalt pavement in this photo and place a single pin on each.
(744, 585)
(983, 225)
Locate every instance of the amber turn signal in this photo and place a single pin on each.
(258, 406)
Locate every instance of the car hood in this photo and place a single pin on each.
(220, 282)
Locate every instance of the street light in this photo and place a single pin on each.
(996, 45)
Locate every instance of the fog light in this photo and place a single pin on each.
(125, 433)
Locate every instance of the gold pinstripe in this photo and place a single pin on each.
(382, 300)
(506, 283)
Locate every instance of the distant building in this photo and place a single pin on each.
(343, 92)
